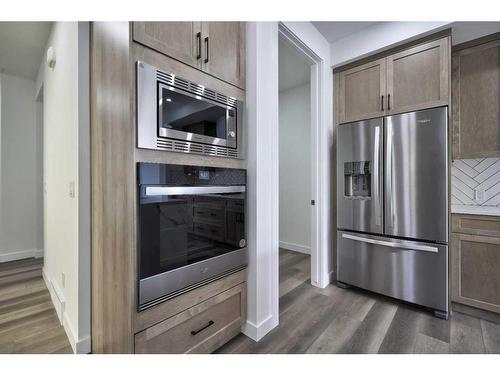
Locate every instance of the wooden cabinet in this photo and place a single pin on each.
(476, 101)
(199, 329)
(217, 48)
(361, 91)
(180, 40)
(475, 261)
(418, 77)
(224, 47)
(412, 79)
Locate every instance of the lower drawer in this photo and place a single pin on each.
(199, 329)
(411, 271)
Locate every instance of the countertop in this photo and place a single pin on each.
(475, 210)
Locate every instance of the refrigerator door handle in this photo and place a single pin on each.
(398, 245)
(389, 176)
(376, 172)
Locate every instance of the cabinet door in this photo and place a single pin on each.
(224, 51)
(179, 40)
(361, 92)
(418, 77)
(476, 101)
(475, 275)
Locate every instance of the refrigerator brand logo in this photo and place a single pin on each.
(425, 121)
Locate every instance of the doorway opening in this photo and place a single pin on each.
(295, 167)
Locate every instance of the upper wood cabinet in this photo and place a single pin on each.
(362, 91)
(418, 77)
(217, 48)
(476, 101)
(224, 48)
(180, 40)
(409, 80)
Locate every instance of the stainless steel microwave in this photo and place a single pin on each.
(174, 114)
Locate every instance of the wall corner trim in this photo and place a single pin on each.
(258, 331)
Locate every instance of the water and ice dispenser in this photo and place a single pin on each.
(357, 180)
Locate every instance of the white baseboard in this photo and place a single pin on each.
(256, 332)
(79, 346)
(20, 254)
(295, 247)
(56, 295)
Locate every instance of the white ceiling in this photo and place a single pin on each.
(294, 69)
(22, 46)
(335, 30)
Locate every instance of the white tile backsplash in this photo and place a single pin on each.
(469, 176)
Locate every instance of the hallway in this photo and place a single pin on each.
(28, 320)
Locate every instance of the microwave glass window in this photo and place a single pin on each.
(187, 114)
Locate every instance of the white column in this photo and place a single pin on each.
(263, 170)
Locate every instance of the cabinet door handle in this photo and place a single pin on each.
(207, 51)
(194, 333)
(382, 103)
(388, 102)
(198, 39)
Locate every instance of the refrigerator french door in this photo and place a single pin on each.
(392, 198)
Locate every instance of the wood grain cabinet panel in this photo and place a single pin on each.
(361, 92)
(475, 266)
(224, 51)
(476, 101)
(217, 48)
(179, 40)
(199, 329)
(418, 77)
(415, 78)
(476, 224)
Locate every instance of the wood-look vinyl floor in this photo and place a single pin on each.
(28, 320)
(335, 320)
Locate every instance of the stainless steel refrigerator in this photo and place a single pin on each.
(392, 207)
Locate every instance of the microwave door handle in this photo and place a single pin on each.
(192, 190)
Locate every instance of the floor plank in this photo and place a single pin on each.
(337, 320)
(491, 336)
(28, 321)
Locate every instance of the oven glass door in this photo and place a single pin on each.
(188, 225)
(193, 118)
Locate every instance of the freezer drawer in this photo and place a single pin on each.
(360, 176)
(411, 271)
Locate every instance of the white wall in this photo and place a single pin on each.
(386, 35)
(20, 181)
(295, 168)
(379, 37)
(65, 118)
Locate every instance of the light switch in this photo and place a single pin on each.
(479, 195)
(72, 189)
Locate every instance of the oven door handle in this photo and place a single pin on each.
(192, 190)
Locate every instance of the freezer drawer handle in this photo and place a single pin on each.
(398, 245)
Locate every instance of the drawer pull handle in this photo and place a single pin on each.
(194, 333)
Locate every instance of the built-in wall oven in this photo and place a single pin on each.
(191, 227)
(174, 114)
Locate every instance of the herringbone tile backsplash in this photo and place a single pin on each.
(468, 175)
